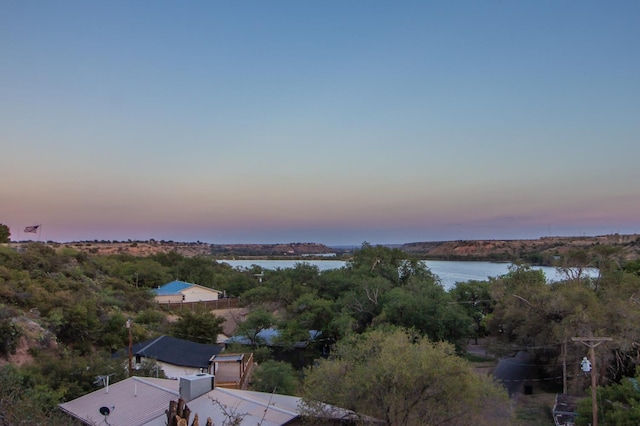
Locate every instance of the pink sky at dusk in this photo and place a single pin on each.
(326, 122)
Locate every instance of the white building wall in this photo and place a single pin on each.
(199, 294)
(176, 371)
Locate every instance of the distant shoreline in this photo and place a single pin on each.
(545, 251)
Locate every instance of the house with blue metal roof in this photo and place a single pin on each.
(180, 291)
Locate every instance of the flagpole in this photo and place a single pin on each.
(39, 230)
(34, 229)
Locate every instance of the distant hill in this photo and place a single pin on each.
(151, 247)
(291, 249)
(539, 251)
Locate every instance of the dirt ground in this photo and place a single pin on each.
(21, 356)
(33, 336)
(233, 317)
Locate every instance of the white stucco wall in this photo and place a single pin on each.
(173, 371)
(199, 294)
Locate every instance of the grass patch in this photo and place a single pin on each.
(471, 357)
(534, 410)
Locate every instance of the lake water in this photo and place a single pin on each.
(449, 272)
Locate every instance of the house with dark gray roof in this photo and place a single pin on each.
(177, 357)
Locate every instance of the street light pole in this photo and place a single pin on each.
(592, 342)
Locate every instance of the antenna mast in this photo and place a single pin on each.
(130, 347)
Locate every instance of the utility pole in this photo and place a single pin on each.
(592, 342)
(564, 366)
(130, 347)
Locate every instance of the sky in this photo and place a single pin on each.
(334, 122)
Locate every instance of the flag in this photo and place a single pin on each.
(33, 228)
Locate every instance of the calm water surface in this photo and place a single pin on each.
(449, 272)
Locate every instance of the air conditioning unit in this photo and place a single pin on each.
(196, 385)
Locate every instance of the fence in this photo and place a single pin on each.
(209, 305)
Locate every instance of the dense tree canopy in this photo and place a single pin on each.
(619, 404)
(541, 318)
(474, 298)
(404, 379)
(274, 377)
(201, 327)
(23, 401)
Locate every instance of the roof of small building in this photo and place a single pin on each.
(139, 401)
(130, 402)
(564, 410)
(176, 287)
(177, 351)
(253, 411)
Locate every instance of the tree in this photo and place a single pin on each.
(113, 334)
(274, 376)
(311, 311)
(65, 375)
(25, 401)
(620, 404)
(80, 325)
(5, 233)
(574, 263)
(403, 379)
(140, 272)
(474, 297)
(9, 336)
(254, 323)
(633, 267)
(542, 317)
(522, 312)
(380, 261)
(198, 327)
(424, 306)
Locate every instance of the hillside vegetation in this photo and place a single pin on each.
(63, 313)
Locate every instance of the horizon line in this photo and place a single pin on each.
(129, 241)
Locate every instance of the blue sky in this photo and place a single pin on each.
(331, 121)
